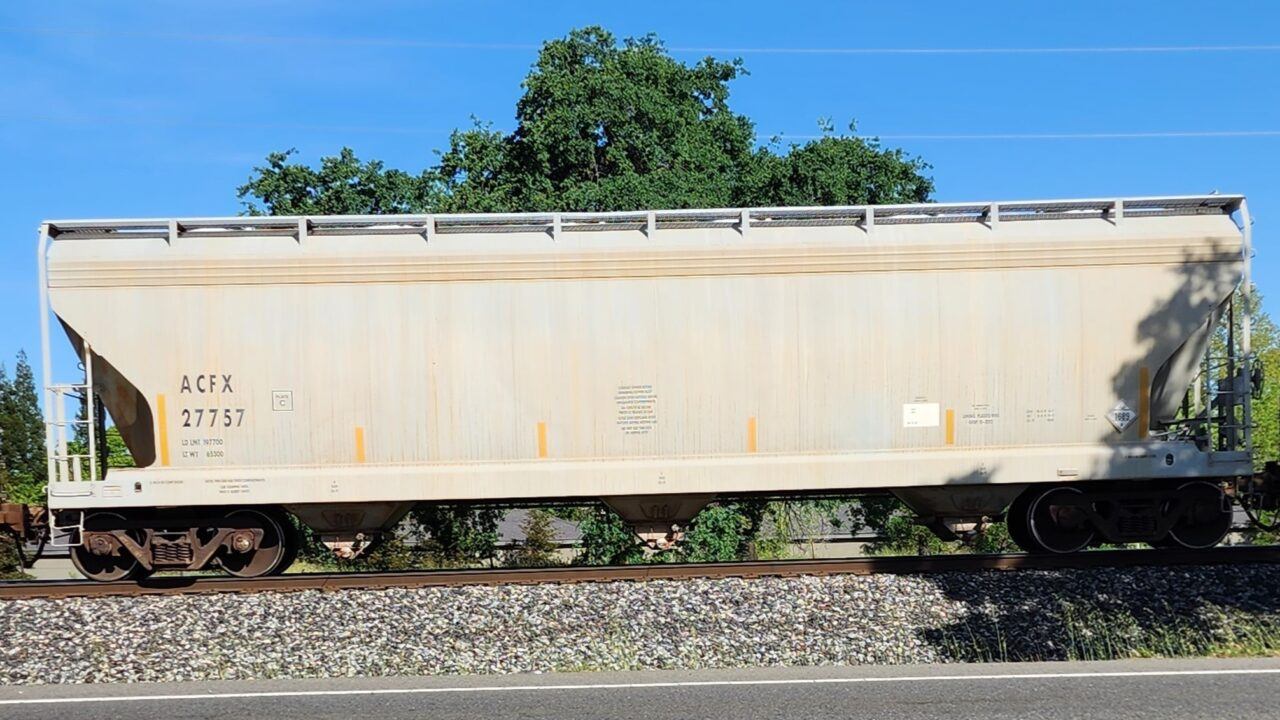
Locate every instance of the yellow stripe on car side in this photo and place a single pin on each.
(162, 427)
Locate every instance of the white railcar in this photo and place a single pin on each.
(963, 356)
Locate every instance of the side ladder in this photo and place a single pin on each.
(71, 447)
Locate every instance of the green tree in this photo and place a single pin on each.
(538, 547)
(609, 126)
(1265, 341)
(10, 561)
(717, 534)
(994, 539)
(835, 170)
(118, 455)
(784, 525)
(605, 538)
(22, 451)
(342, 185)
(603, 125)
(902, 536)
(457, 535)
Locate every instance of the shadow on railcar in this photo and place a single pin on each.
(1117, 612)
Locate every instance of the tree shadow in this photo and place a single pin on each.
(1120, 612)
(1107, 613)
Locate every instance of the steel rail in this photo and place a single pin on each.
(900, 565)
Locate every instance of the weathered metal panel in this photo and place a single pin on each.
(378, 365)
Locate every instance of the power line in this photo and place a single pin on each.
(1135, 49)
(271, 39)
(422, 130)
(355, 129)
(738, 50)
(1154, 134)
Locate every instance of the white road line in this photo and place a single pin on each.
(644, 685)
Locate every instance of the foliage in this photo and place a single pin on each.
(117, 452)
(1265, 342)
(342, 185)
(717, 534)
(10, 562)
(993, 539)
(23, 465)
(538, 549)
(22, 451)
(740, 530)
(605, 539)
(900, 535)
(389, 553)
(603, 125)
(435, 537)
(457, 535)
(784, 523)
(836, 170)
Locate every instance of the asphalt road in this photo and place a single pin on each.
(1168, 690)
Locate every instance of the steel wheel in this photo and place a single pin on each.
(292, 542)
(1206, 516)
(105, 559)
(1019, 527)
(245, 558)
(1056, 525)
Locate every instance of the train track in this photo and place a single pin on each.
(903, 565)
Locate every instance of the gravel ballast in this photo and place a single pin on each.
(1022, 615)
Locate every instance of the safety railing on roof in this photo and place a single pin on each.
(646, 221)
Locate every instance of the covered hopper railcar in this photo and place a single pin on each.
(1028, 358)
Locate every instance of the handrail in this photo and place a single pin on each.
(648, 221)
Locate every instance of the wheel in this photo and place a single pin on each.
(292, 542)
(105, 559)
(1056, 525)
(1206, 516)
(1016, 521)
(243, 557)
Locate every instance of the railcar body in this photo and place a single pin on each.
(345, 368)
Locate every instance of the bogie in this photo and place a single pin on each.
(245, 542)
(1068, 518)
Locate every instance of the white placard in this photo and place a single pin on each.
(920, 415)
(1121, 416)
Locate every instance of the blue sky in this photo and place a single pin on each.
(158, 108)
